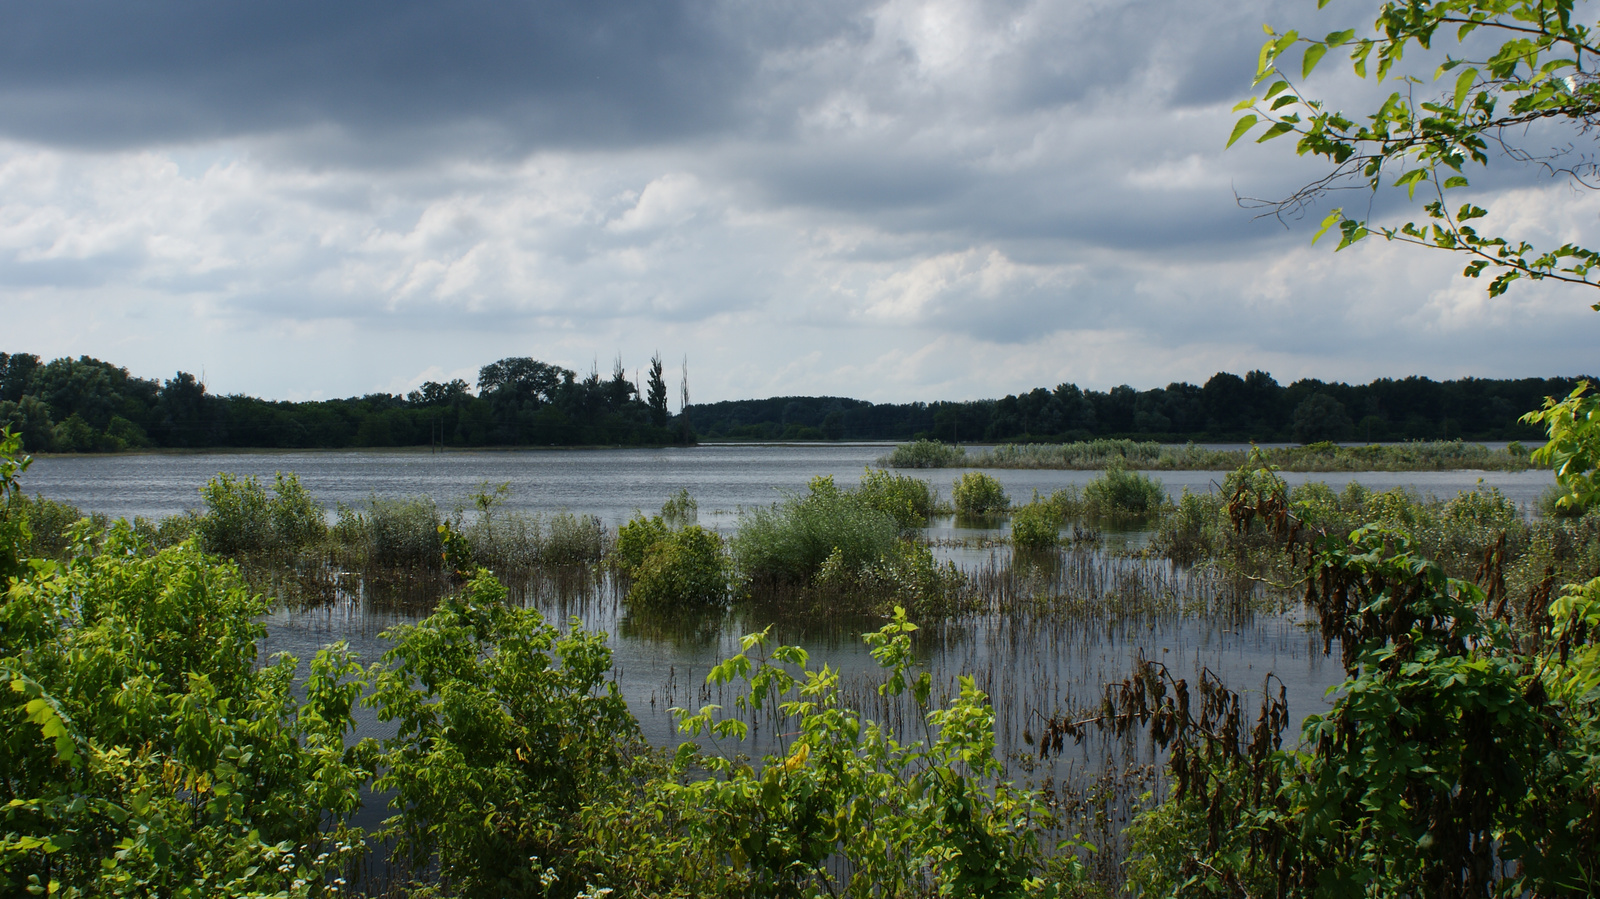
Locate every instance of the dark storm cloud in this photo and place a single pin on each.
(111, 73)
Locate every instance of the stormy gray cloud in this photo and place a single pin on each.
(907, 199)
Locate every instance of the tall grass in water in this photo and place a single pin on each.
(788, 542)
(1437, 455)
(1121, 495)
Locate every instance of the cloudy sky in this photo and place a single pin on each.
(912, 199)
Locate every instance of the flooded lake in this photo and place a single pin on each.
(1063, 631)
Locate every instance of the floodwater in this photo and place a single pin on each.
(1032, 662)
(608, 483)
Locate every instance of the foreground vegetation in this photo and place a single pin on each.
(1100, 454)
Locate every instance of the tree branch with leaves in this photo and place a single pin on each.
(1426, 135)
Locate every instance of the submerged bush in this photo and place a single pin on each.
(241, 519)
(669, 560)
(788, 542)
(977, 494)
(910, 500)
(688, 566)
(1123, 495)
(1036, 526)
(925, 454)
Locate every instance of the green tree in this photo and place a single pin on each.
(1517, 68)
(656, 392)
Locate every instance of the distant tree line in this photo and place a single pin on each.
(86, 405)
(1226, 408)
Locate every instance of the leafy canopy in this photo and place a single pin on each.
(1484, 97)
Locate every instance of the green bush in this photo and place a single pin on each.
(688, 566)
(910, 500)
(925, 454)
(1036, 526)
(148, 753)
(788, 542)
(977, 494)
(635, 539)
(1123, 495)
(241, 519)
(939, 821)
(507, 732)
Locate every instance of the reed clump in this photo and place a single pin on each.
(1121, 495)
(241, 518)
(788, 542)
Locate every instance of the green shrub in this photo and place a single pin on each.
(635, 539)
(148, 753)
(910, 500)
(939, 820)
(507, 732)
(1035, 526)
(241, 519)
(402, 533)
(1120, 495)
(688, 566)
(977, 494)
(788, 542)
(925, 454)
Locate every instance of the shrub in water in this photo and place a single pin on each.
(688, 566)
(925, 454)
(1123, 494)
(788, 542)
(910, 500)
(635, 539)
(978, 494)
(242, 519)
(1035, 526)
(1195, 530)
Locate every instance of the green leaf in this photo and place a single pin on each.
(1333, 218)
(1314, 54)
(1276, 130)
(1240, 127)
(1464, 83)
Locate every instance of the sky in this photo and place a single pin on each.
(894, 201)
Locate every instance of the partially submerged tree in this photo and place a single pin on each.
(1507, 70)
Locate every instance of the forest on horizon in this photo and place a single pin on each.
(88, 405)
